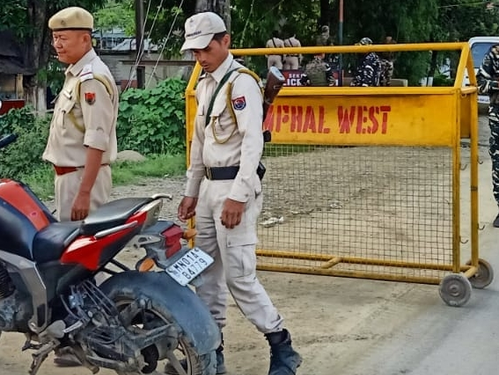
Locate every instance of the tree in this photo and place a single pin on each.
(221, 7)
(459, 20)
(116, 15)
(28, 19)
(325, 12)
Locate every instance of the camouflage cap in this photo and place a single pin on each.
(72, 18)
(365, 41)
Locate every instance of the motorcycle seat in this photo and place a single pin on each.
(112, 214)
(50, 242)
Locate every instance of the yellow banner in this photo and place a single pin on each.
(416, 120)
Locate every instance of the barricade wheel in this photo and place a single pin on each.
(484, 275)
(455, 289)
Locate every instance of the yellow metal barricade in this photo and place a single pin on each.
(366, 181)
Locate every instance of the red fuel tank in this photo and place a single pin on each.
(22, 215)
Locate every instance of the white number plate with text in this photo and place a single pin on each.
(184, 270)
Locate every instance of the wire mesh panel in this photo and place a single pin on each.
(355, 211)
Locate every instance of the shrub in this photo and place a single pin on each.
(25, 155)
(440, 80)
(152, 121)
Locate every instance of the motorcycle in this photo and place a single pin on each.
(128, 323)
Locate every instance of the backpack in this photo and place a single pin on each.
(316, 73)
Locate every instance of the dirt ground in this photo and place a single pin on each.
(337, 323)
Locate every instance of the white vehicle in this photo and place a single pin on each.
(479, 46)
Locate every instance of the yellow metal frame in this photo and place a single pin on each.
(460, 122)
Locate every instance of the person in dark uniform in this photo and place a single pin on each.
(368, 69)
(488, 83)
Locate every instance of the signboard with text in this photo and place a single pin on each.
(361, 120)
(292, 77)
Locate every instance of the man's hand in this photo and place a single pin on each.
(187, 208)
(232, 213)
(81, 206)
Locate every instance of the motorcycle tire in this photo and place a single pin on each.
(122, 293)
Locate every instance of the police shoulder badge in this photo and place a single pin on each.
(239, 103)
(90, 97)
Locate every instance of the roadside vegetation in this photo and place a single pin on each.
(151, 122)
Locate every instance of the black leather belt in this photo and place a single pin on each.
(221, 173)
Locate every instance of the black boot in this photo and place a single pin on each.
(284, 360)
(496, 222)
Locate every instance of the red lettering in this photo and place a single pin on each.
(345, 119)
(384, 120)
(268, 124)
(367, 119)
(278, 119)
(360, 118)
(375, 124)
(296, 118)
(309, 122)
(285, 110)
(322, 129)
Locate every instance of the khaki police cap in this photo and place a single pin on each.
(72, 18)
(200, 29)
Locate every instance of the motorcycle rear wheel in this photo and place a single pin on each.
(123, 295)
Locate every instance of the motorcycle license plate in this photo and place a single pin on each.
(190, 265)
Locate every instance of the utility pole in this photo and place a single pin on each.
(139, 42)
(340, 40)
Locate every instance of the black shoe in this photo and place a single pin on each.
(496, 222)
(284, 360)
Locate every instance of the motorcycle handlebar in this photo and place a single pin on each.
(7, 140)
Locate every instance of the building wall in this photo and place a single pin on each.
(8, 86)
(121, 66)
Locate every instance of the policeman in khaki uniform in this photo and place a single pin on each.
(274, 42)
(82, 139)
(224, 191)
(293, 61)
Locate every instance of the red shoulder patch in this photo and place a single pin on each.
(239, 103)
(90, 97)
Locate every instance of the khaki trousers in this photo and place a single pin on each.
(67, 186)
(291, 63)
(234, 269)
(274, 60)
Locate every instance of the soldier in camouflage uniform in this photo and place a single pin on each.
(318, 73)
(324, 39)
(488, 83)
(369, 68)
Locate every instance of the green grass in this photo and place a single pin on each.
(126, 173)
(41, 180)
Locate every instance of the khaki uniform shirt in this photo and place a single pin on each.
(85, 117)
(274, 43)
(224, 143)
(293, 42)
